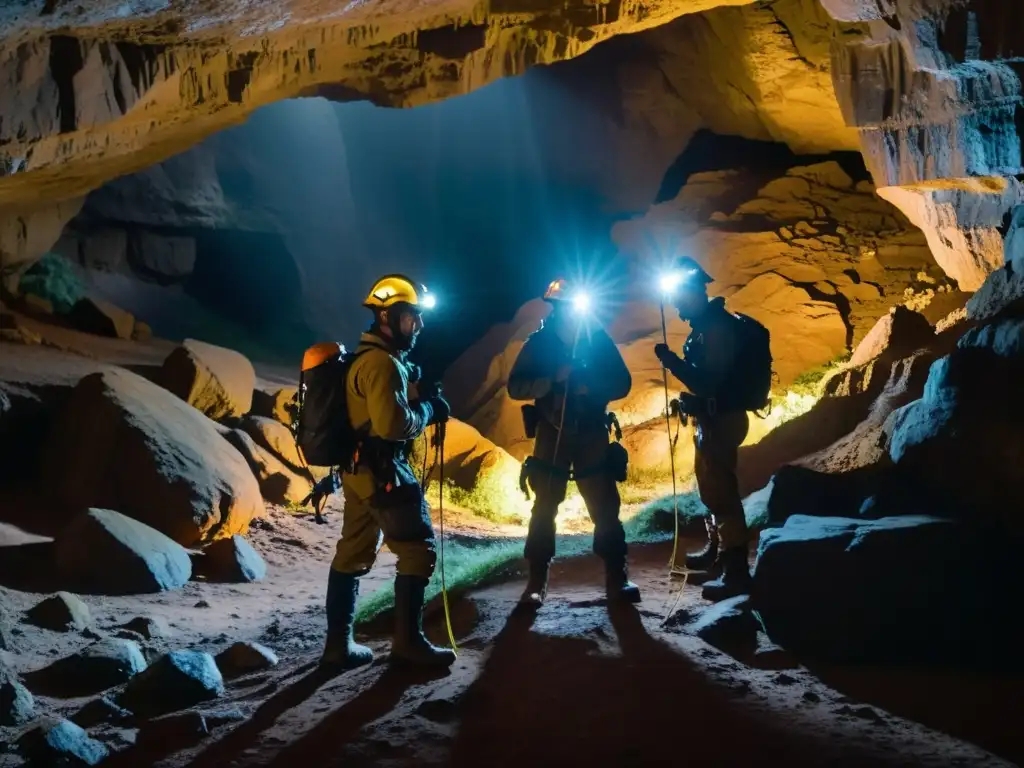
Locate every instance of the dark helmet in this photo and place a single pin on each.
(691, 272)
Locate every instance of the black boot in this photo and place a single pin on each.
(735, 579)
(618, 586)
(704, 559)
(410, 644)
(341, 651)
(537, 585)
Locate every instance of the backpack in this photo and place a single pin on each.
(751, 382)
(323, 433)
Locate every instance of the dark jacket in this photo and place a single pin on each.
(709, 354)
(597, 366)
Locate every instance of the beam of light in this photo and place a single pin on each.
(429, 301)
(669, 281)
(581, 303)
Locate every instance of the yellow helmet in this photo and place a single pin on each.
(398, 289)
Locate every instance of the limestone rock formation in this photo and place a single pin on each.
(813, 255)
(904, 574)
(217, 381)
(123, 443)
(111, 553)
(933, 88)
(963, 439)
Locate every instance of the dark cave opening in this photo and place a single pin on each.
(708, 151)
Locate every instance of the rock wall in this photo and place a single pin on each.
(934, 88)
(815, 256)
(92, 99)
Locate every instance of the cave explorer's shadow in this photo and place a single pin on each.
(333, 732)
(556, 701)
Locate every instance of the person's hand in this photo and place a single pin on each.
(440, 409)
(663, 353)
(413, 372)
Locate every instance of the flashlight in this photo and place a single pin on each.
(581, 303)
(429, 301)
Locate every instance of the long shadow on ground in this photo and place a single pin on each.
(547, 701)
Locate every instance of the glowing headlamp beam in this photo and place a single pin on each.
(581, 303)
(669, 282)
(429, 301)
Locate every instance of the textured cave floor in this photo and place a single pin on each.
(571, 686)
(574, 684)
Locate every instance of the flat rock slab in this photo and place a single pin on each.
(63, 612)
(96, 668)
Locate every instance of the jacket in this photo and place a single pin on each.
(597, 365)
(377, 392)
(709, 354)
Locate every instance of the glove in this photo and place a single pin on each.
(413, 372)
(664, 354)
(440, 411)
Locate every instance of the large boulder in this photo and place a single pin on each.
(96, 668)
(279, 483)
(473, 463)
(102, 318)
(217, 381)
(898, 333)
(121, 442)
(278, 404)
(963, 441)
(108, 552)
(276, 438)
(895, 589)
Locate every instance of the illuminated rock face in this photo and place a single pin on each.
(934, 87)
(95, 101)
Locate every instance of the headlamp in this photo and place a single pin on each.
(581, 303)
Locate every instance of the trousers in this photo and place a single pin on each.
(586, 452)
(400, 519)
(716, 443)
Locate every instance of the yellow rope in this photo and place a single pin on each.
(440, 435)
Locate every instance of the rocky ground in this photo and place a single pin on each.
(162, 588)
(577, 682)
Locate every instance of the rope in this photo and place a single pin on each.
(673, 569)
(439, 435)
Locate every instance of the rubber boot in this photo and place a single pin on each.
(704, 559)
(341, 651)
(735, 579)
(537, 585)
(618, 586)
(410, 645)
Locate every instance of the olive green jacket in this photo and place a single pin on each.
(378, 403)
